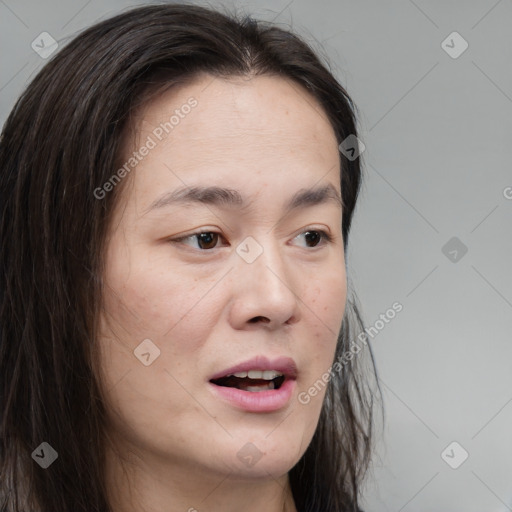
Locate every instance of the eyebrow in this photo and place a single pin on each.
(218, 196)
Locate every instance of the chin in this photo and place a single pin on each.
(266, 468)
(261, 457)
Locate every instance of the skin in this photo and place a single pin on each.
(174, 444)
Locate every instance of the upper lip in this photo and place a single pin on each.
(284, 365)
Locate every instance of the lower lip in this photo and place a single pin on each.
(257, 401)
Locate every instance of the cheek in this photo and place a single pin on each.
(169, 309)
(172, 309)
(326, 301)
(150, 301)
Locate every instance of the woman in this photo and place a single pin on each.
(175, 212)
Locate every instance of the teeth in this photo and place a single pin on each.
(260, 374)
(271, 374)
(257, 374)
(268, 386)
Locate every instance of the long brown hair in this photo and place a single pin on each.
(62, 141)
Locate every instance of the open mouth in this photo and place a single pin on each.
(253, 381)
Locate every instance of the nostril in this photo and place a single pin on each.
(259, 318)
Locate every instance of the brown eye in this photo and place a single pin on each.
(315, 237)
(202, 240)
(207, 240)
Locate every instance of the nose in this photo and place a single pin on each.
(264, 291)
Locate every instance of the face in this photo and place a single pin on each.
(221, 282)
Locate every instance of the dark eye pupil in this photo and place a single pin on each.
(313, 236)
(208, 239)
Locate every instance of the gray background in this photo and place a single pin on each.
(438, 142)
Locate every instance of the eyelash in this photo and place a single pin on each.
(326, 238)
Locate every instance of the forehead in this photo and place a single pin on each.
(262, 109)
(237, 132)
